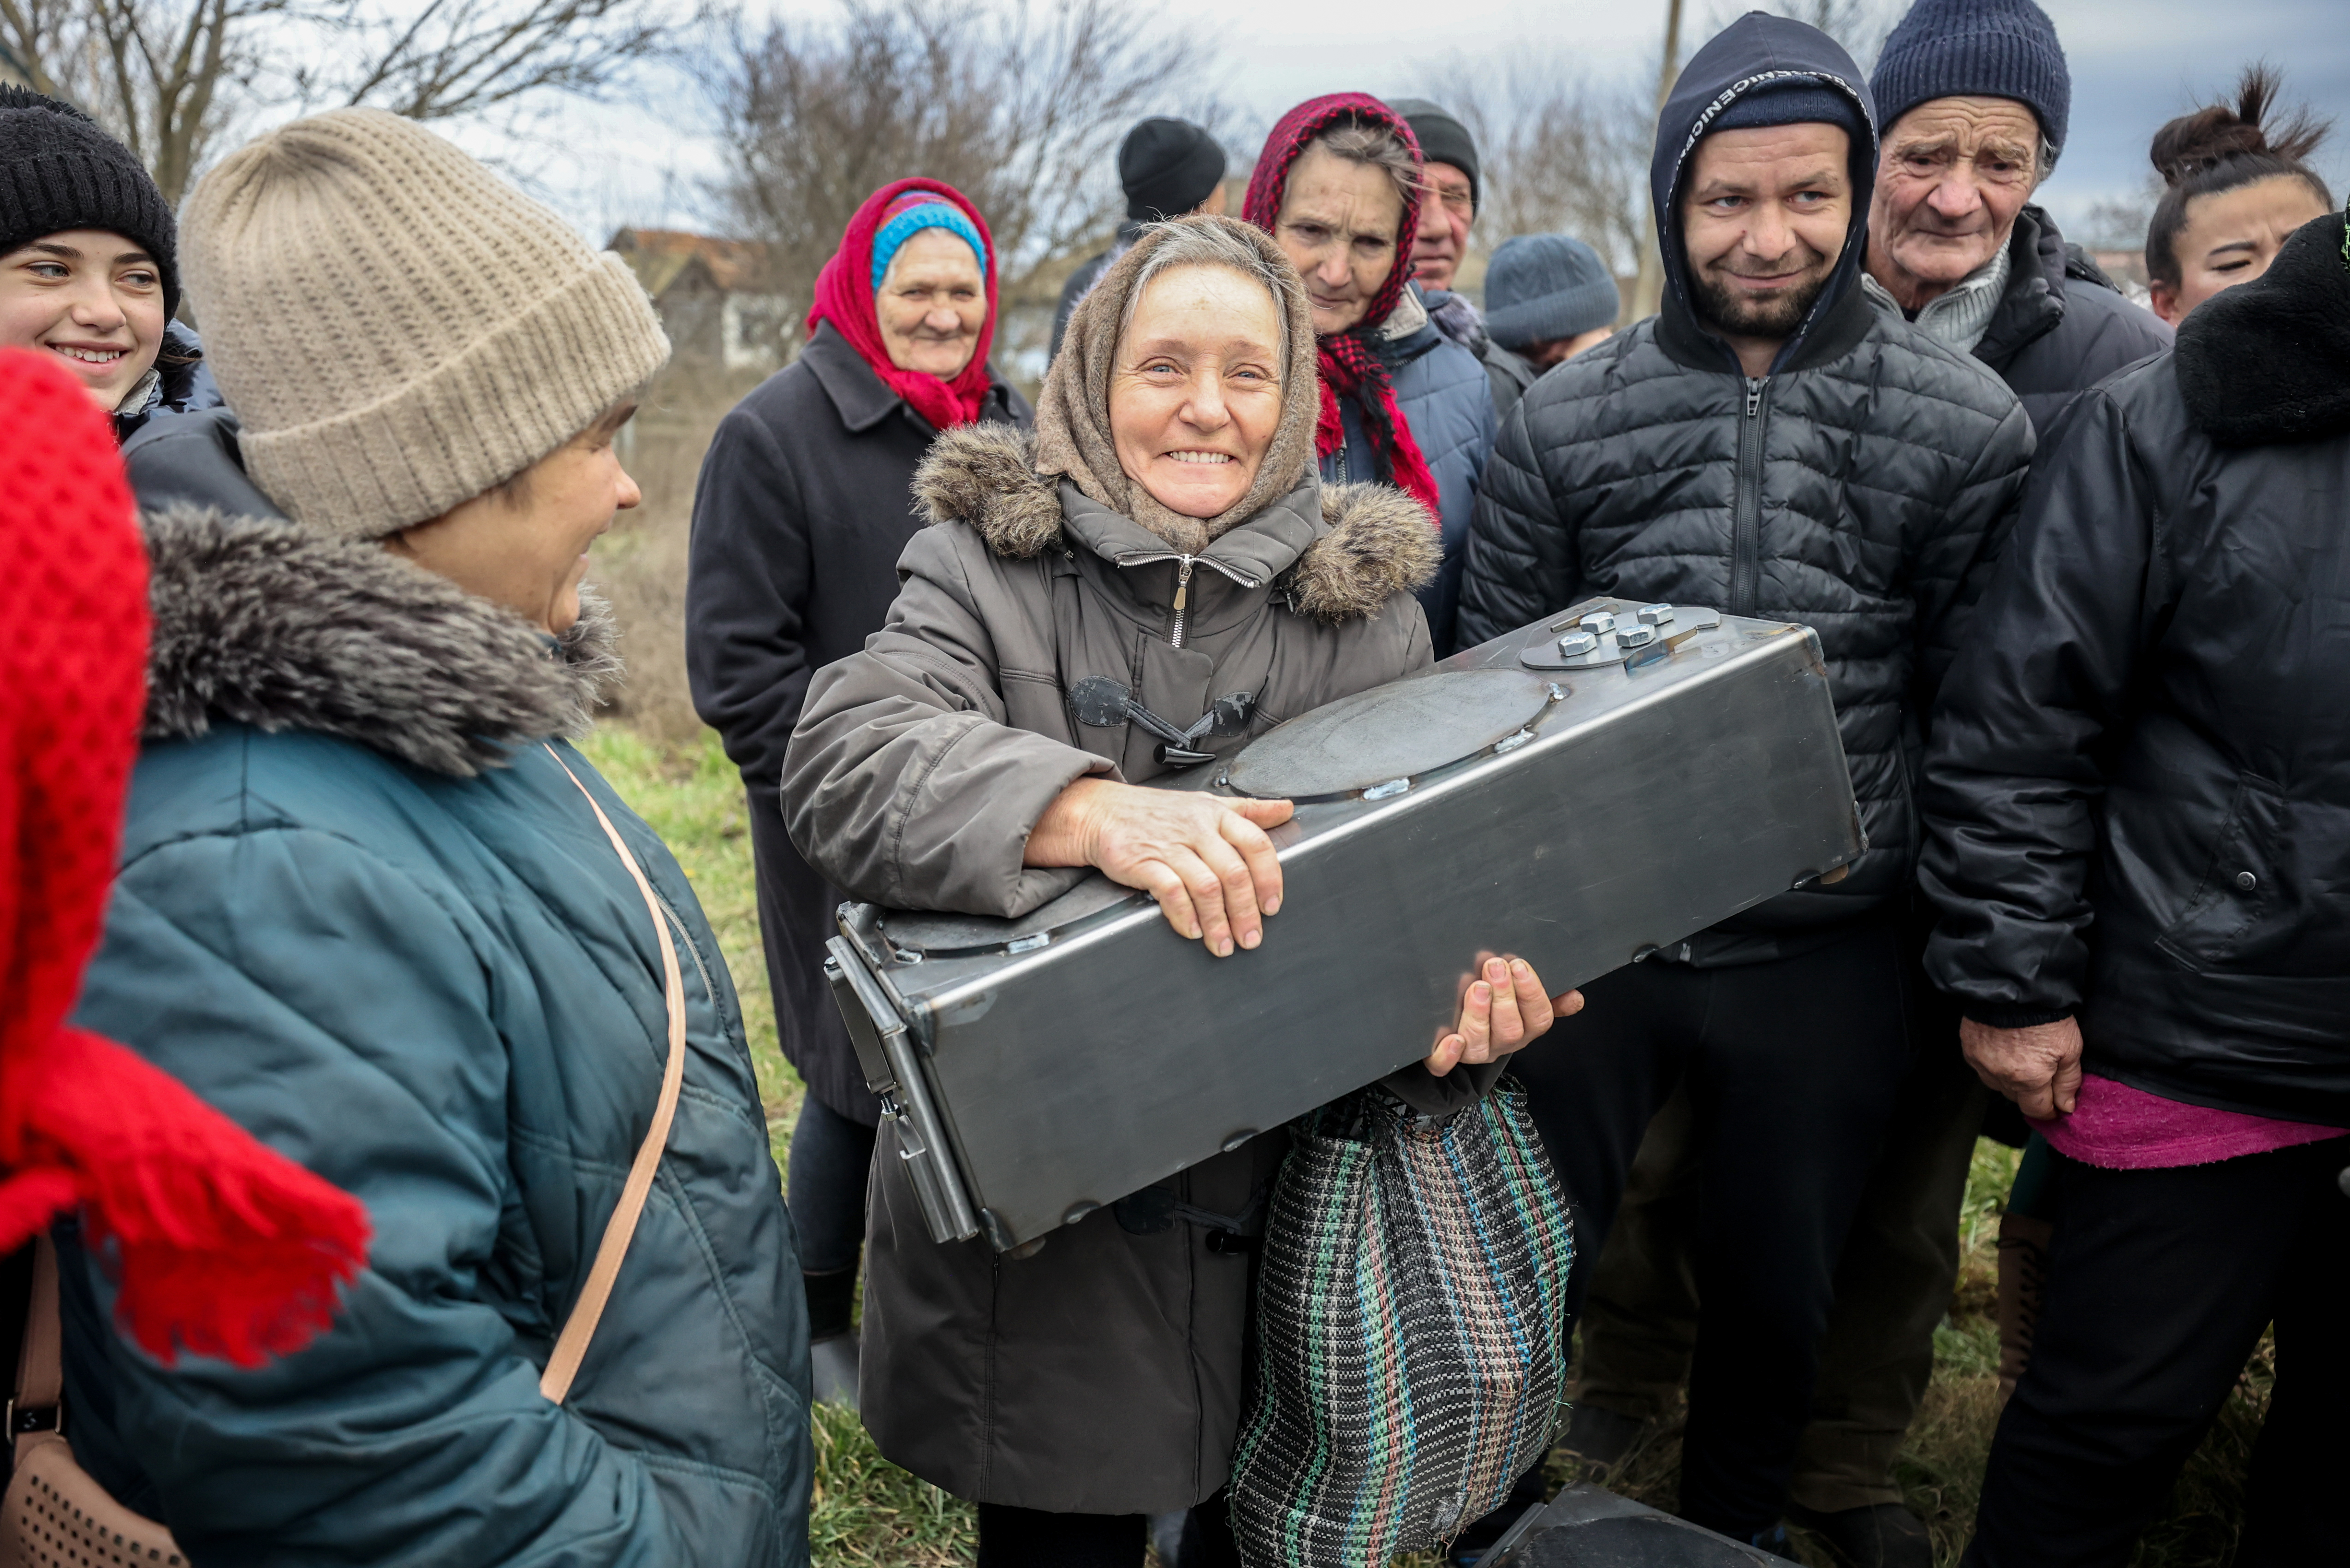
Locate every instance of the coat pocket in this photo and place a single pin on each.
(2240, 909)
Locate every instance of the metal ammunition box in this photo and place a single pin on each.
(1579, 793)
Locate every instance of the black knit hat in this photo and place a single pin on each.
(1442, 140)
(58, 171)
(1167, 168)
(1975, 48)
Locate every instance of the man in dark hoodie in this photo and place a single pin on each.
(1975, 98)
(1773, 444)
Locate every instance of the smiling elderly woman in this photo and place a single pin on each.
(1165, 529)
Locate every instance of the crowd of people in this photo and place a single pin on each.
(399, 1189)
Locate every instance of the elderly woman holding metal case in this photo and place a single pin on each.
(1165, 528)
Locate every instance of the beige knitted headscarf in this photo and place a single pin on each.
(1073, 435)
(397, 329)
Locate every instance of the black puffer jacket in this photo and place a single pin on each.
(2061, 325)
(2138, 797)
(1860, 488)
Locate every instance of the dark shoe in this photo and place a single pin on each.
(1598, 1436)
(832, 1369)
(1774, 1541)
(1882, 1535)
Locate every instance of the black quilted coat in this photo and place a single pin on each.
(1860, 488)
(2138, 795)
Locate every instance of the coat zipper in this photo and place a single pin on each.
(1746, 503)
(1182, 594)
(1184, 565)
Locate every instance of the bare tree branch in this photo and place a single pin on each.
(171, 77)
(1020, 108)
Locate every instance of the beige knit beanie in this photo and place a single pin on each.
(397, 329)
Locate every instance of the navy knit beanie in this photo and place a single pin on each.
(1798, 101)
(58, 171)
(1975, 48)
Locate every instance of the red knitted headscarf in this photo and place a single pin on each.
(844, 297)
(1350, 366)
(226, 1248)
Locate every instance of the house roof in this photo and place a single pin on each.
(660, 256)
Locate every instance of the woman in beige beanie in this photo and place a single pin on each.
(376, 910)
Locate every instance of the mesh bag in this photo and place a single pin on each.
(1412, 1327)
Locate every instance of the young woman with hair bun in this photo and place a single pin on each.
(2239, 184)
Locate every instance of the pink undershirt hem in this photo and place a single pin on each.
(2122, 1129)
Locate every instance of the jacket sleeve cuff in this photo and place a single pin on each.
(1431, 1095)
(2014, 1017)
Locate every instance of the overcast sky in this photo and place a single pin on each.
(2135, 63)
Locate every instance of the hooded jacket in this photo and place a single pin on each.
(2138, 795)
(1861, 487)
(1103, 1374)
(364, 912)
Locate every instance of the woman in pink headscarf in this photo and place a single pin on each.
(1338, 187)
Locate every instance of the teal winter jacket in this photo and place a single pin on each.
(364, 912)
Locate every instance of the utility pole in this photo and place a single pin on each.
(1648, 289)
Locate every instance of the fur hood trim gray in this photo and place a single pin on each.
(1377, 542)
(265, 623)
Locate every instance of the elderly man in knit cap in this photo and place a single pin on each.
(89, 270)
(1659, 466)
(1547, 299)
(1975, 98)
(1167, 168)
(375, 908)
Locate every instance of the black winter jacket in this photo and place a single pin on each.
(1861, 488)
(2061, 326)
(804, 504)
(2138, 795)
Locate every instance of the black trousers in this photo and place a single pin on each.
(830, 1156)
(2159, 1283)
(1792, 1068)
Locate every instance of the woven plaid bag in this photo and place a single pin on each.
(1412, 1331)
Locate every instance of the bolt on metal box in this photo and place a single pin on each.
(1579, 809)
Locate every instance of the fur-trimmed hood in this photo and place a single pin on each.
(265, 623)
(1372, 541)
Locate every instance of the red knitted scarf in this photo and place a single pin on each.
(1350, 366)
(224, 1247)
(844, 297)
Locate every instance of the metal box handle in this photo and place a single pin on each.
(886, 1054)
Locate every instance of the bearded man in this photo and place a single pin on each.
(1770, 445)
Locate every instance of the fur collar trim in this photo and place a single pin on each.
(2269, 360)
(1375, 541)
(265, 623)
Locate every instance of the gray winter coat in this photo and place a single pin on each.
(1102, 1374)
